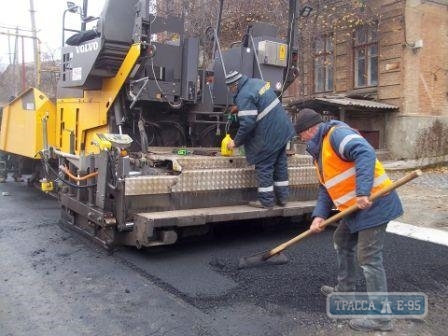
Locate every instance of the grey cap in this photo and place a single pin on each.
(307, 118)
(232, 77)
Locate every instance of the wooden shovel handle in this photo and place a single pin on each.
(405, 179)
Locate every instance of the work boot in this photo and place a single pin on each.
(370, 325)
(326, 290)
(258, 204)
(281, 203)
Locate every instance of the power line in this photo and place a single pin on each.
(16, 27)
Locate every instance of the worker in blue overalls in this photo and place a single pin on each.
(264, 129)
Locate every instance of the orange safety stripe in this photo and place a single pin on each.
(339, 176)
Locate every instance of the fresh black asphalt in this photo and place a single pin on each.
(212, 276)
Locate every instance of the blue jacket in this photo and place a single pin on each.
(265, 127)
(359, 151)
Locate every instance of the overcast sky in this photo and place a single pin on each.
(48, 14)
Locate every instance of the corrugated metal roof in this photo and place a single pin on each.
(344, 101)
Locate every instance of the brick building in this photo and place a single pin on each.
(381, 66)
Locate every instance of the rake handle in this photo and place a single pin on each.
(398, 183)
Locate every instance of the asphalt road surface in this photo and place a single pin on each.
(53, 282)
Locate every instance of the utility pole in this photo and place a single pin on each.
(13, 56)
(83, 14)
(36, 50)
(14, 64)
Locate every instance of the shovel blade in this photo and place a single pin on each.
(261, 260)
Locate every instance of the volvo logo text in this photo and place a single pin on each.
(92, 46)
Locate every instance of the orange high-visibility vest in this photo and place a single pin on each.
(339, 176)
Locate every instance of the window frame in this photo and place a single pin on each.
(324, 58)
(366, 50)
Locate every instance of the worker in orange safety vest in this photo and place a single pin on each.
(349, 173)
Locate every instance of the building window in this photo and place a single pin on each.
(366, 57)
(323, 64)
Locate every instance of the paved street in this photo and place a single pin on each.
(54, 282)
(425, 199)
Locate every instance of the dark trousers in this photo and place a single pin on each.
(272, 178)
(363, 249)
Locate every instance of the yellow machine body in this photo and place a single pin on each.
(21, 130)
(71, 125)
(80, 119)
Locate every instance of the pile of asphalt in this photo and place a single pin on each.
(279, 289)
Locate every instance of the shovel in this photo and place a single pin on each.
(275, 257)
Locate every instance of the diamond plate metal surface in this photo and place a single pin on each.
(141, 185)
(192, 162)
(235, 175)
